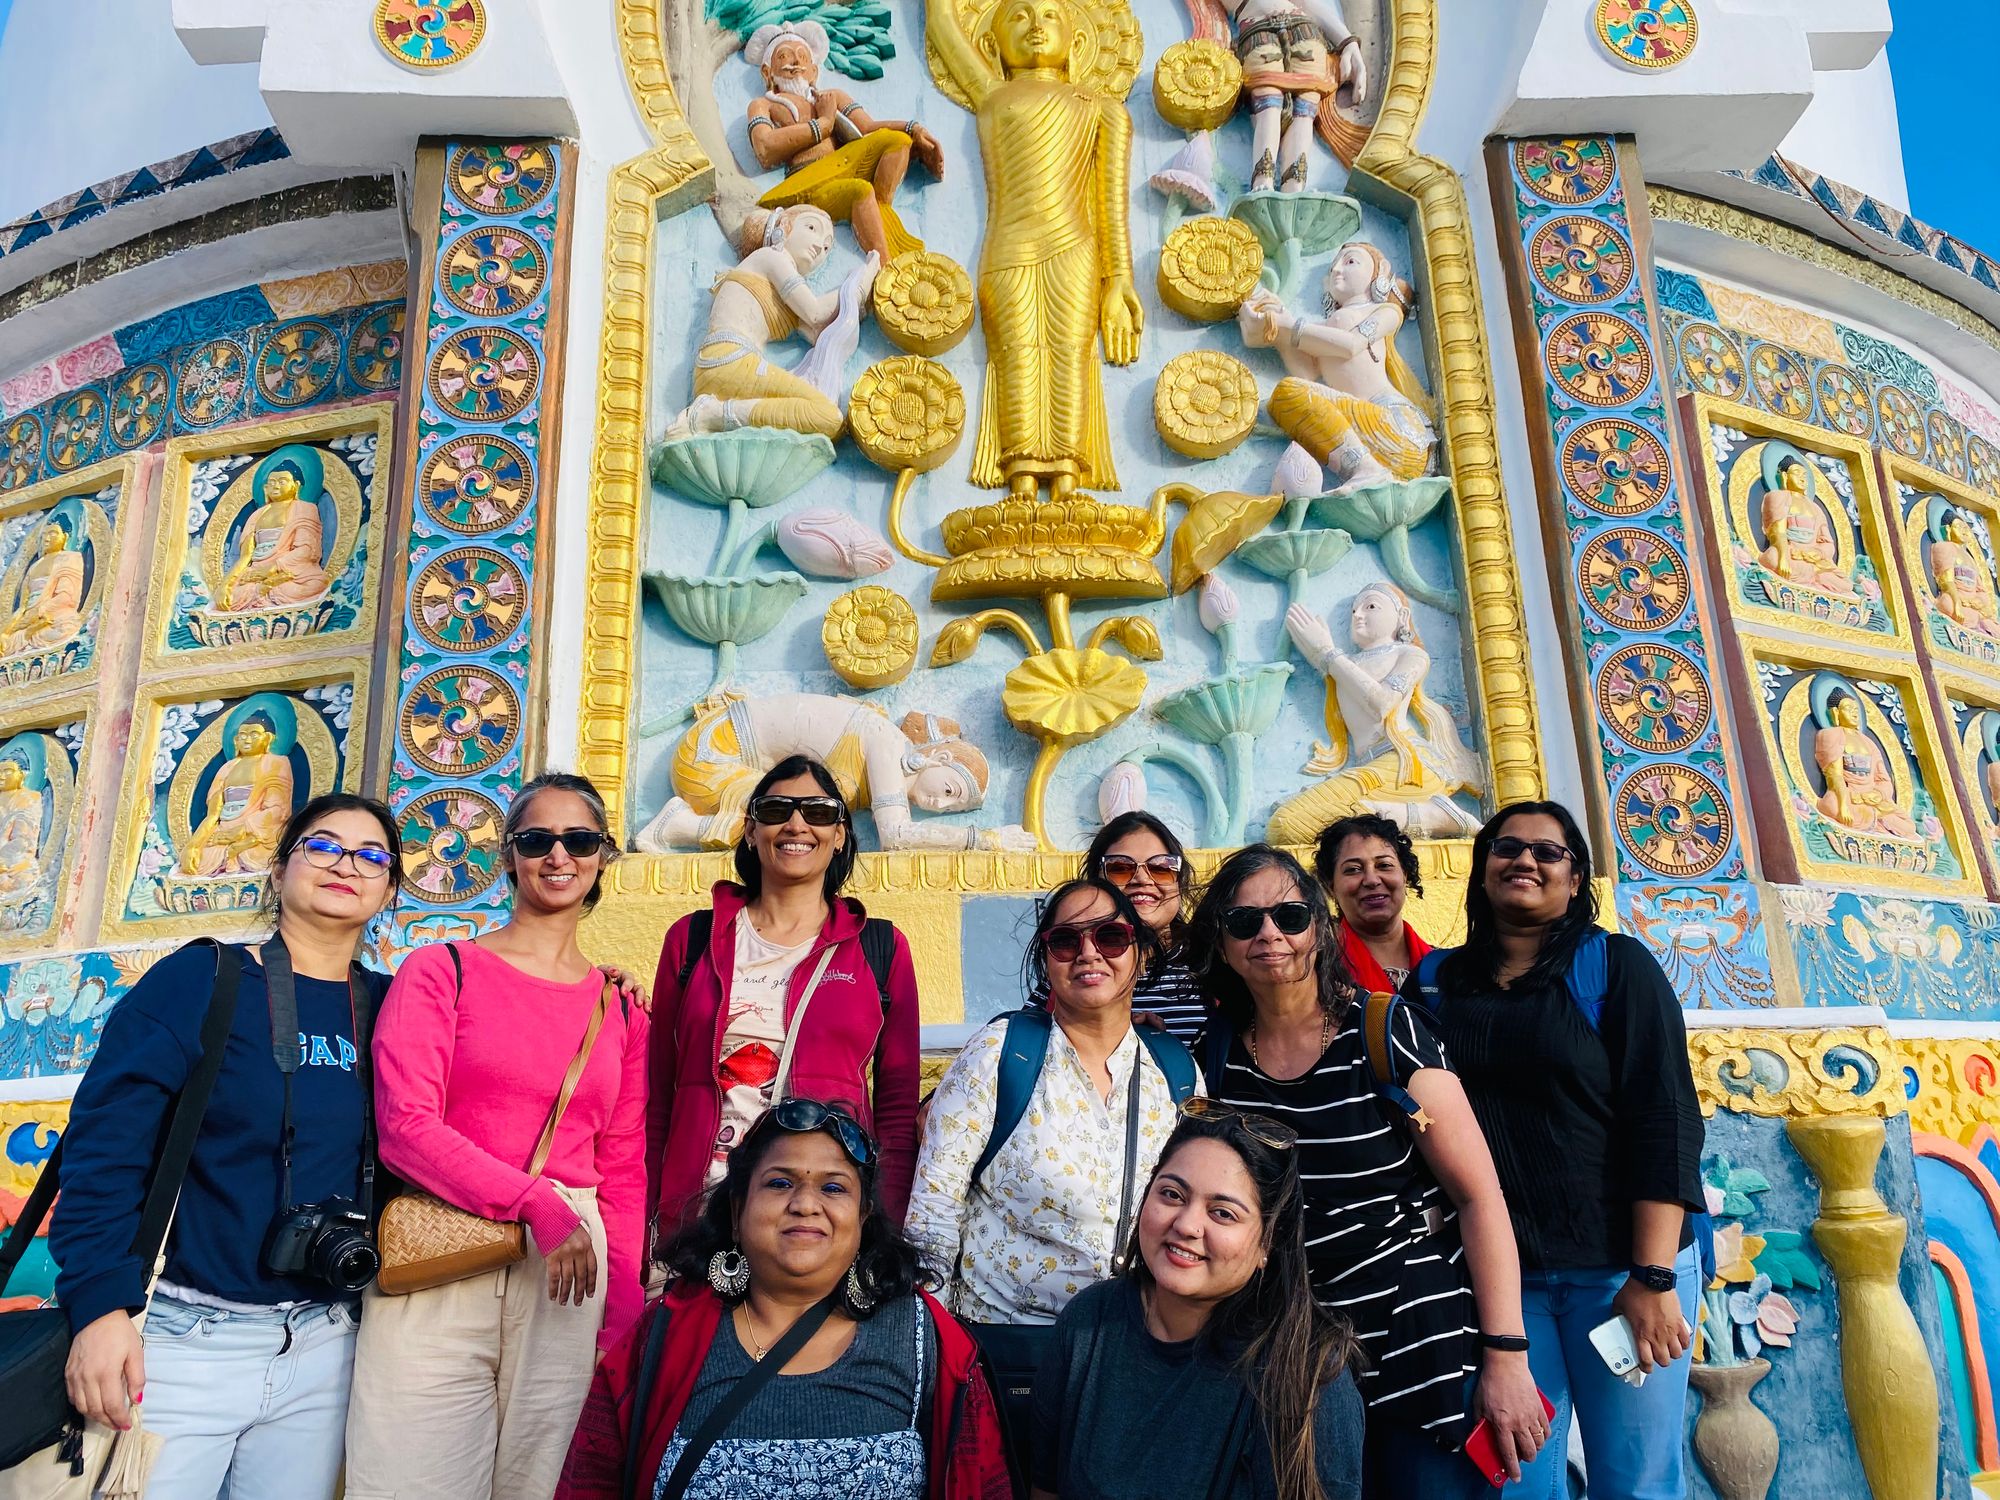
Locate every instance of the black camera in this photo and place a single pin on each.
(327, 1242)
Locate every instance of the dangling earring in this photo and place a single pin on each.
(729, 1273)
(859, 1302)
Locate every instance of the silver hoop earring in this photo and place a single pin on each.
(859, 1302)
(729, 1273)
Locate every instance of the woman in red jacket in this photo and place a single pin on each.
(781, 987)
(1368, 868)
(881, 1396)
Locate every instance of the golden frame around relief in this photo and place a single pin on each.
(121, 472)
(138, 791)
(1951, 644)
(171, 539)
(675, 176)
(1789, 773)
(44, 717)
(1726, 513)
(1973, 747)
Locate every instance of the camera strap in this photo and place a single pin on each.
(288, 1052)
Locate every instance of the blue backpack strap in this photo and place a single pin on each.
(1378, 1051)
(1590, 976)
(1024, 1046)
(1426, 973)
(1172, 1059)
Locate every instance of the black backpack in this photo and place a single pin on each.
(878, 946)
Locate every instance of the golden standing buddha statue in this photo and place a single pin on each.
(50, 609)
(247, 809)
(1055, 271)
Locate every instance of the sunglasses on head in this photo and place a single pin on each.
(804, 1116)
(1122, 869)
(1111, 940)
(326, 854)
(1546, 851)
(578, 843)
(1273, 1133)
(772, 810)
(1245, 922)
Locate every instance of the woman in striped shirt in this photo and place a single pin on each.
(1139, 854)
(1406, 1228)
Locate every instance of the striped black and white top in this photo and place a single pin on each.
(1171, 991)
(1382, 1237)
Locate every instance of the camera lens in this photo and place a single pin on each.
(351, 1262)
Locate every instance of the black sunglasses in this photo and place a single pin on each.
(819, 812)
(578, 843)
(1111, 939)
(804, 1116)
(1547, 851)
(1245, 922)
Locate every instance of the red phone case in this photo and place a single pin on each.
(1485, 1457)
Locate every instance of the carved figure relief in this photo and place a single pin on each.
(1948, 544)
(52, 1011)
(1976, 743)
(1297, 56)
(54, 564)
(38, 792)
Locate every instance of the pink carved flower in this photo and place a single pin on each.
(1777, 1320)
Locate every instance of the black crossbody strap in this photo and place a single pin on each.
(1131, 1164)
(281, 988)
(743, 1392)
(32, 1213)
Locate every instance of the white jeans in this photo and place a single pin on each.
(253, 1406)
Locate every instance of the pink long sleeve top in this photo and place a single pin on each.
(465, 1076)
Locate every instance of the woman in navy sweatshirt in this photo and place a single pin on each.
(245, 1369)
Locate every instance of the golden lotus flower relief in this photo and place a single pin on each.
(1195, 85)
(1204, 403)
(1090, 549)
(1208, 266)
(1215, 526)
(1066, 696)
(923, 302)
(870, 637)
(906, 413)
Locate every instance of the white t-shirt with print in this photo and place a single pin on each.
(753, 1036)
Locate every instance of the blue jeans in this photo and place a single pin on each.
(1632, 1443)
(253, 1405)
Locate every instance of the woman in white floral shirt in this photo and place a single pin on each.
(1013, 1243)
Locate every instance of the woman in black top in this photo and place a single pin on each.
(1406, 1230)
(1139, 854)
(1206, 1371)
(1571, 1045)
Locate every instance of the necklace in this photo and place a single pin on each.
(743, 1326)
(1325, 1037)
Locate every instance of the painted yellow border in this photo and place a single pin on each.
(1876, 522)
(1926, 741)
(83, 481)
(44, 716)
(135, 796)
(171, 540)
(674, 176)
(1975, 692)
(1897, 472)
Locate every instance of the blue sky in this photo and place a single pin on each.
(1949, 114)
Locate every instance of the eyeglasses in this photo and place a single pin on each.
(1122, 869)
(1245, 922)
(1065, 943)
(819, 812)
(803, 1116)
(578, 843)
(1547, 851)
(1273, 1133)
(325, 854)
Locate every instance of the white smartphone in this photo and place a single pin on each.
(1613, 1341)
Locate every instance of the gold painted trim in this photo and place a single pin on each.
(1877, 522)
(1722, 1057)
(45, 717)
(136, 789)
(1898, 471)
(171, 540)
(49, 493)
(674, 176)
(1772, 234)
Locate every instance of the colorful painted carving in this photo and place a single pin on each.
(1655, 35)
(765, 300)
(281, 552)
(48, 604)
(836, 156)
(429, 33)
(1390, 749)
(923, 764)
(54, 565)
(1297, 56)
(248, 803)
(38, 802)
(1047, 81)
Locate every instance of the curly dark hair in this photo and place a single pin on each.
(1475, 965)
(751, 874)
(1223, 986)
(1035, 962)
(1326, 854)
(886, 1262)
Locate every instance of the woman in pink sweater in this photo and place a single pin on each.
(469, 1391)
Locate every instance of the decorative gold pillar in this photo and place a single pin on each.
(1885, 1369)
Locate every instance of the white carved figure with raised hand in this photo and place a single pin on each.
(922, 765)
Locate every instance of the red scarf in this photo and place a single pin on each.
(1363, 965)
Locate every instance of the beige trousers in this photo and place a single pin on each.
(470, 1391)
